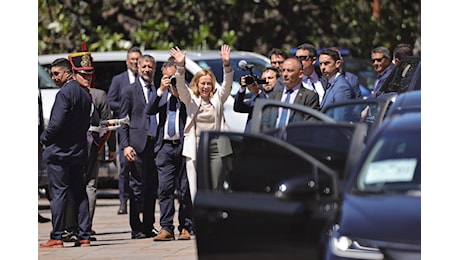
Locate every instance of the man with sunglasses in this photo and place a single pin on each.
(66, 151)
(382, 62)
(306, 54)
(61, 71)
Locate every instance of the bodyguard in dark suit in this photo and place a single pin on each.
(119, 82)
(170, 162)
(66, 151)
(138, 141)
(339, 89)
(353, 80)
(292, 88)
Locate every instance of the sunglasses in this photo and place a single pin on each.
(303, 57)
(378, 60)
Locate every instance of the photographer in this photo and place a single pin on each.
(169, 161)
(259, 89)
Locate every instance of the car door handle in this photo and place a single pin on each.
(217, 216)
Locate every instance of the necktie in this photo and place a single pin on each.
(310, 84)
(284, 112)
(172, 116)
(153, 118)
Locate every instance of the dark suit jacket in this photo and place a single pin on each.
(119, 81)
(133, 104)
(381, 79)
(65, 136)
(354, 83)
(304, 97)
(242, 106)
(153, 108)
(340, 90)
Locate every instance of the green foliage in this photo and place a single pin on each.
(252, 25)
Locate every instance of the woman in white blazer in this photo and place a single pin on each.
(205, 104)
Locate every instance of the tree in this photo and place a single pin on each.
(256, 25)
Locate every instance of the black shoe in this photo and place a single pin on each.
(139, 235)
(69, 236)
(154, 232)
(42, 219)
(122, 210)
(93, 239)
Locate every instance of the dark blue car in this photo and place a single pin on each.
(380, 215)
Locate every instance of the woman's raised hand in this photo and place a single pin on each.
(178, 55)
(225, 54)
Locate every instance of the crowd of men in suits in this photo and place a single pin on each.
(152, 164)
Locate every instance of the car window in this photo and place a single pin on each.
(216, 66)
(393, 164)
(405, 77)
(320, 136)
(257, 164)
(44, 79)
(330, 143)
(368, 111)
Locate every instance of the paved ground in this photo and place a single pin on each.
(113, 237)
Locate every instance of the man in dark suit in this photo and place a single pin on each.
(137, 140)
(66, 151)
(119, 82)
(169, 159)
(339, 89)
(291, 92)
(382, 62)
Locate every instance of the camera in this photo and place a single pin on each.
(250, 79)
(173, 80)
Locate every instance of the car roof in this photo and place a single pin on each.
(159, 55)
(406, 103)
(104, 56)
(398, 124)
(203, 55)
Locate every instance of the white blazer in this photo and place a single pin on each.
(192, 104)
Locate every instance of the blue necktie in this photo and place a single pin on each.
(153, 118)
(172, 116)
(284, 112)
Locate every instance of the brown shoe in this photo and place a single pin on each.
(163, 235)
(52, 243)
(184, 235)
(83, 243)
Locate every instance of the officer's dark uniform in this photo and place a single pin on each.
(66, 151)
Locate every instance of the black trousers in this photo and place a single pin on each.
(64, 180)
(143, 183)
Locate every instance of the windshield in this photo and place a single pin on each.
(44, 79)
(216, 66)
(392, 165)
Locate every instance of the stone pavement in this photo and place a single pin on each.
(113, 237)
